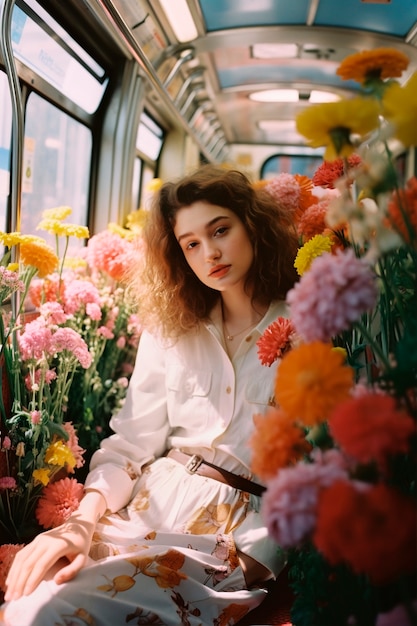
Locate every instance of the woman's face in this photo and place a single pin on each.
(215, 244)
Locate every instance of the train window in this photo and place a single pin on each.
(150, 137)
(45, 47)
(290, 164)
(56, 164)
(5, 138)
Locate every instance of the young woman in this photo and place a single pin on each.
(169, 530)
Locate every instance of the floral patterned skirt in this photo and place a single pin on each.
(167, 559)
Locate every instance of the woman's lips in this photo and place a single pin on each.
(219, 271)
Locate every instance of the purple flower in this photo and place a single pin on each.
(332, 295)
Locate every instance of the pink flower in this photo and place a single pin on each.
(36, 340)
(7, 482)
(289, 505)
(7, 553)
(93, 310)
(313, 220)
(79, 293)
(331, 295)
(35, 417)
(58, 501)
(72, 444)
(105, 332)
(275, 341)
(7, 444)
(121, 342)
(285, 189)
(110, 253)
(67, 339)
(53, 313)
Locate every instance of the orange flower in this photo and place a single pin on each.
(380, 63)
(58, 501)
(306, 198)
(370, 428)
(311, 380)
(277, 442)
(402, 210)
(39, 255)
(361, 528)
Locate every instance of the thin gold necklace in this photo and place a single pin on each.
(230, 337)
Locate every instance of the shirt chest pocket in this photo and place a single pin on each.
(260, 392)
(188, 397)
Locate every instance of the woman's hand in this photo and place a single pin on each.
(66, 546)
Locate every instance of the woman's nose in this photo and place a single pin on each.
(211, 251)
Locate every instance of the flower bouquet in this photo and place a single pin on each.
(68, 342)
(338, 451)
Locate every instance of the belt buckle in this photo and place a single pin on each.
(194, 463)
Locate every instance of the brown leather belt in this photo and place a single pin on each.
(195, 464)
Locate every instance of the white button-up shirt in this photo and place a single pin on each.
(189, 394)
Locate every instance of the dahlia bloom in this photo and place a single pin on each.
(311, 380)
(360, 527)
(58, 501)
(313, 220)
(275, 341)
(39, 255)
(371, 428)
(330, 171)
(276, 443)
(290, 501)
(332, 295)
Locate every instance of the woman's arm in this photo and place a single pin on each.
(59, 553)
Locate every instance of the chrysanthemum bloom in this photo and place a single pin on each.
(7, 553)
(275, 341)
(371, 428)
(314, 247)
(285, 190)
(311, 380)
(372, 530)
(58, 501)
(400, 109)
(368, 65)
(332, 124)
(402, 210)
(39, 255)
(276, 442)
(313, 221)
(290, 501)
(330, 171)
(334, 293)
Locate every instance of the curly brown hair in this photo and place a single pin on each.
(170, 294)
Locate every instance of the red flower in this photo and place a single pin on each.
(371, 428)
(275, 341)
(373, 530)
(59, 500)
(330, 171)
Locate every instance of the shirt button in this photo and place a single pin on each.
(228, 390)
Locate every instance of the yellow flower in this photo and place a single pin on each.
(334, 124)
(154, 185)
(56, 227)
(400, 108)
(13, 267)
(41, 476)
(74, 263)
(379, 63)
(314, 247)
(119, 230)
(57, 213)
(39, 255)
(11, 239)
(136, 220)
(59, 454)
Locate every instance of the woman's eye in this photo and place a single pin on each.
(220, 231)
(190, 245)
